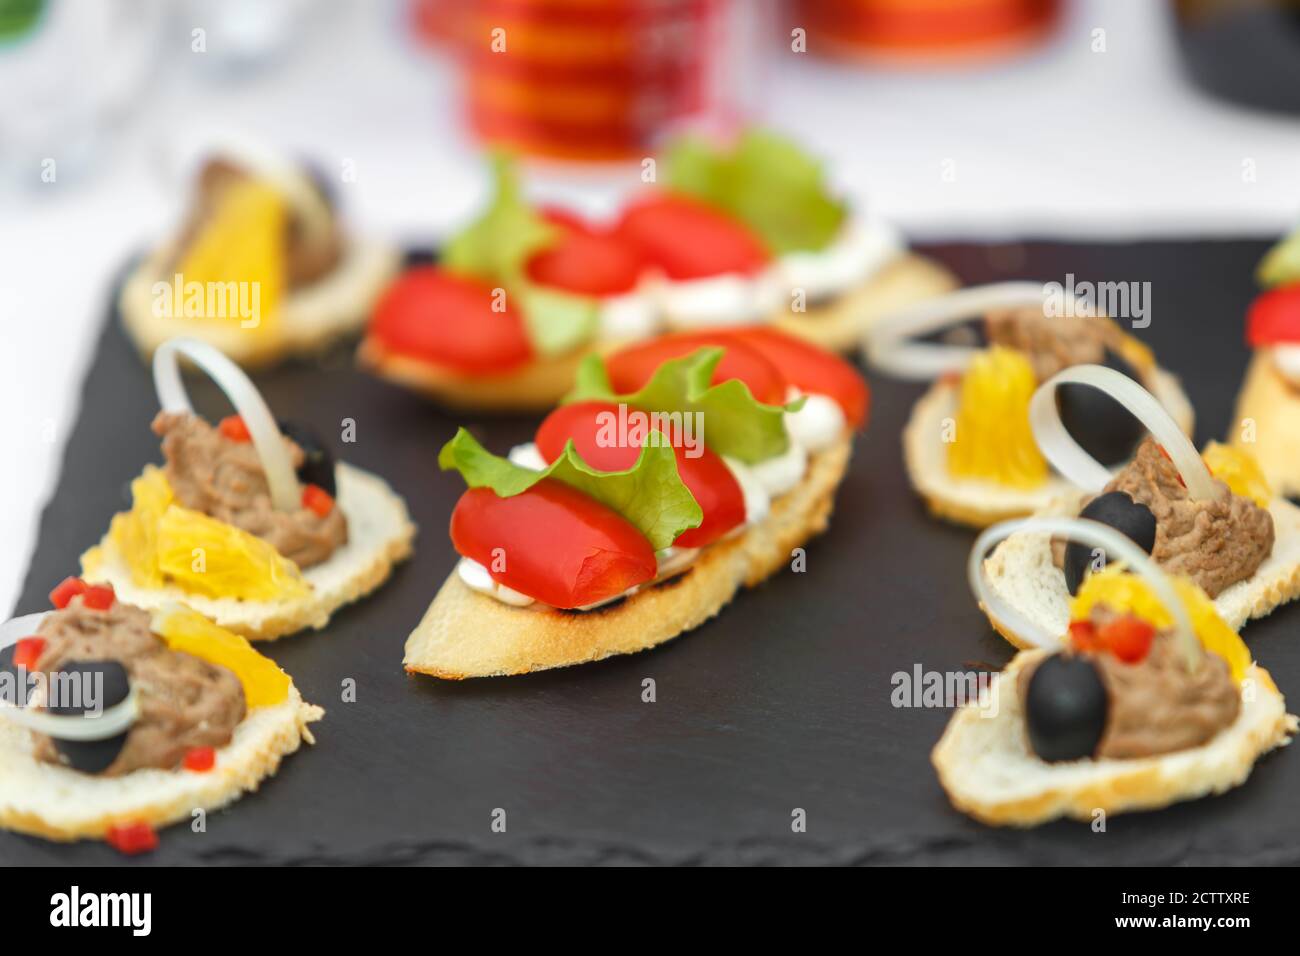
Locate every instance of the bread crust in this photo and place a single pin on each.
(380, 534)
(1273, 406)
(988, 771)
(58, 803)
(978, 503)
(535, 387)
(1021, 572)
(309, 321)
(467, 634)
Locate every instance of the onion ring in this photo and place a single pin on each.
(109, 722)
(1065, 454)
(889, 347)
(1088, 532)
(286, 493)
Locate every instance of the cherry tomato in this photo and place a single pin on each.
(552, 543)
(632, 367)
(445, 319)
(1274, 317)
(588, 262)
(811, 369)
(688, 239)
(706, 475)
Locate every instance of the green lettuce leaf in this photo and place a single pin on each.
(734, 423)
(650, 494)
(557, 321)
(767, 182)
(495, 248)
(1281, 264)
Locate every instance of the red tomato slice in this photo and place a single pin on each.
(632, 367)
(706, 475)
(1274, 317)
(811, 369)
(589, 262)
(552, 543)
(691, 240)
(445, 319)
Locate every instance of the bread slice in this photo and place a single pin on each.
(1272, 407)
(840, 324)
(988, 770)
(976, 502)
(1021, 572)
(468, 634)
(380, 533)
(62, 804)
(309, 319)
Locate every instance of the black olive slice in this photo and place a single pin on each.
(318, 462)
(1130, 518)
(98, 684)
(1101, 426)
(1065, 708)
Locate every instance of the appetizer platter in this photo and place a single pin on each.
(807, 694)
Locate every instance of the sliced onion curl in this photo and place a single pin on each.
(286, 493)
(890, 347)
(110, 721)
(1082, 469)
(1117, 546)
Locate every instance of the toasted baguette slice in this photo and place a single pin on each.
(1021, 572)
(380, 533)
(468, 634)
(308, 321)
(976, 502)
(839, 324)
(988, 770)
(61, 804)
(1272, 406)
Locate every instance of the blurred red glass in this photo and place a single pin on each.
(594, 79)
(923, 29)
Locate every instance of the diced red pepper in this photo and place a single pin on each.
(1128, 638)
(98, 597)
(317, 499)
(233, 427)
(199, 759)
(132, 838)
(28, 651)
(1083, 636)
(66, 590)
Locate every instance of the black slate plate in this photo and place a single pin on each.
(782, 702)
